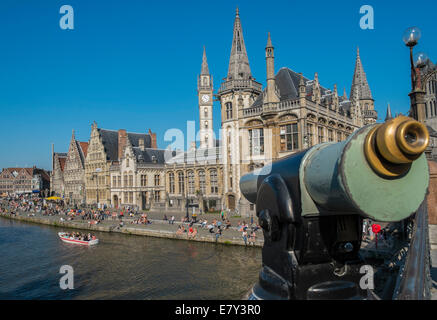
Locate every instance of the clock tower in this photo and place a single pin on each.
(204, 91)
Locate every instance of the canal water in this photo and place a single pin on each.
(121, 266)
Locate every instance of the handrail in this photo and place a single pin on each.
(415, 275)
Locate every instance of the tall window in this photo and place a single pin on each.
(289, 137)
(127, 162)
(143, 180)
(330, 135)
(256, 141)
(213, 178)
(157, 196)
(310, 134)
(114, 181)
(125, 180)
(171, 182)
(181, 182)
(205, 111)
(228, 110)
(191, 182)
(320, 134)
(131, 197)
(202, 181)
(339, 136)
(131, 180)
(119, 181)
(156, 179)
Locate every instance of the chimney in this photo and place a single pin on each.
(153, 140)
(122, 140)
(141, 144)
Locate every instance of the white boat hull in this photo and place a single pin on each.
(65, 239)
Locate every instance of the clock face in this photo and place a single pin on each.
(205, 98)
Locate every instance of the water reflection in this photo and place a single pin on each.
(121, 267)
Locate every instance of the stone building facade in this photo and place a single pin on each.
(195, 177)
(74, 172)
(57, 187)
(104, 150)
(138, 180)
(292, 113)
(24, 181)
(429, 76)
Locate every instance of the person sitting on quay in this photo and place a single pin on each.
(204, 223)
(171, 221)
(252, 238)
(165, 218)
(211, 228)
(192, 232)
(244, 235)
(180, 230)
(218, 233)
(228, 224)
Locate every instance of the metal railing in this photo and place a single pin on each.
(414, 280)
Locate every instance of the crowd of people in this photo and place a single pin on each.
(31, 205)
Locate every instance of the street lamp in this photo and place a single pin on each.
(411, 38)
(186, 194)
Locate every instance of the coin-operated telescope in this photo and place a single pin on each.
(311, 204)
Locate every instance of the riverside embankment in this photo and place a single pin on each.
(158, 228)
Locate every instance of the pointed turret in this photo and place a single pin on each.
(344, 94)
(360, 81)
(388, 115)
(361, 94)
(205, 69)
(270, 93)
(238, 62)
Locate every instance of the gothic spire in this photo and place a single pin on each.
(205, 69)
(388, 115)
(359, 80)
(239, 62)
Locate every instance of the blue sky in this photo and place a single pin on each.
(134, 64)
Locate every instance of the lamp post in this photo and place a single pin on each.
(186, 194)
(417, 95)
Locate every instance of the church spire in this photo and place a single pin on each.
(388, 115)
(205, 69)
(238, 62)
(359, 80)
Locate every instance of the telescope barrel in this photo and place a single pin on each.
(379, 172)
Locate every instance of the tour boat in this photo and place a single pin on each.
(67, 239)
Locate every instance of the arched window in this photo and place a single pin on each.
(213, 181)
(202, 181)
(228, 110)
(171, 182)
(191, 182)
(289, 137)
(181, 182)
(256, 141)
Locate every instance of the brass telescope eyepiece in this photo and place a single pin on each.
(391, 147)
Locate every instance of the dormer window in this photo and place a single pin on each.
(127, 162)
